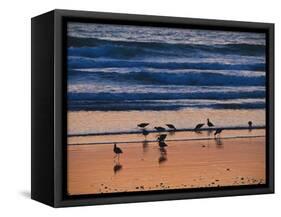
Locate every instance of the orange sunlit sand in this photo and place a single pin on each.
(237, 158)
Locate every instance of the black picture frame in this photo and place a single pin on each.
(48, 148)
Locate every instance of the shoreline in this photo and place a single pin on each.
(139, 131)
(171, 136)
(172, 140)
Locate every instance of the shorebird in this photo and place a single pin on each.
(209, 123)
(117, 150)
(250, 123)
(198, 126)
(171, 126)
(162, 138)
(143, 125)
(145, 132)
(159, 129)
(218, 132)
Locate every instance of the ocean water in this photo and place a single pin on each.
(122, 68)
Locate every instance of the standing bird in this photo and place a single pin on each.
(198, 126)
(160, 129)
(117, 150)
(209, 123)
(171, 126)
(143, 125)
(218, 132)
(250, 123)
(162, 138)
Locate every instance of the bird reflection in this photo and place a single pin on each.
(145, 132)
(162, 145)
(144, 146)
(163, 155)
(210, 132)
(117, 167)
(219, 142)
(172, 132)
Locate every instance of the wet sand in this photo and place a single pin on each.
(103, 121)
(92, 169)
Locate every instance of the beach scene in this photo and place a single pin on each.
(158, 108)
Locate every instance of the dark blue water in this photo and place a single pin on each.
(113, 67)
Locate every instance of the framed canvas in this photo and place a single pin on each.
(131, 108)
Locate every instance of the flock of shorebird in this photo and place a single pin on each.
(161, 137)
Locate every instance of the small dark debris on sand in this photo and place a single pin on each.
(227, 169)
